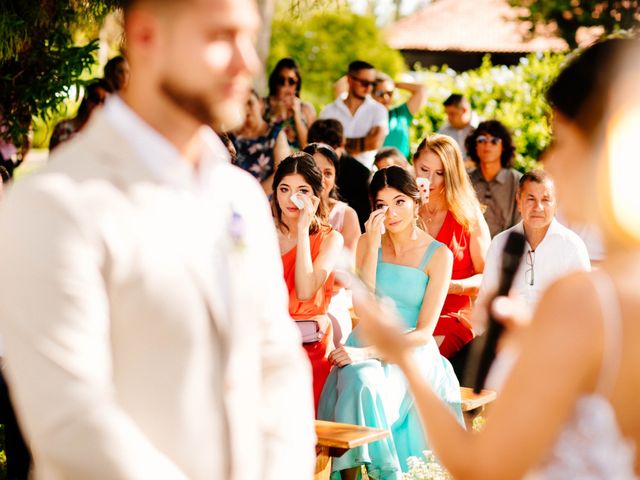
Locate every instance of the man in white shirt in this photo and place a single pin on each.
(551, 251)
(143, 305)
(365, 121)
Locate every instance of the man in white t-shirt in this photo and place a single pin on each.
(365, 121)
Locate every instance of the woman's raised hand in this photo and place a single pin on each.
(374, 227)
(308, 211)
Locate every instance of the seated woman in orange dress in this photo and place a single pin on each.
(310, 249)
(453, 217)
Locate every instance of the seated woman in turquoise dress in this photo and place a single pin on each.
(411, 268)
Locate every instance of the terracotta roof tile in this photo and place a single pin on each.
(469, 26)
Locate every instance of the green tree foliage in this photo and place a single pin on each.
(324, 44)
(514, 95)
(569, 15)
(39, 59)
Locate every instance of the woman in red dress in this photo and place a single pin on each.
(453, 217)
(310, 249)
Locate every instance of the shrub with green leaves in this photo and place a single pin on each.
(514, 95)
(324, 44)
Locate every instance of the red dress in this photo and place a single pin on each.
(314, 307)
(456, 333)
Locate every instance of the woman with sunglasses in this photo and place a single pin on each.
(400, 116)
(495, 182)
(283, 105)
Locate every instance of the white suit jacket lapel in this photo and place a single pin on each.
(127, 169)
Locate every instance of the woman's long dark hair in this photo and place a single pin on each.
(397, 178)
(303, 164)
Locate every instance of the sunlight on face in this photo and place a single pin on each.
(209, 59)
(624, 166)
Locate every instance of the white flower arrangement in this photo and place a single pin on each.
(427, 469)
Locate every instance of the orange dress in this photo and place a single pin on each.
(307, 309)
(456, 333)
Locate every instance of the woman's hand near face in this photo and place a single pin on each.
(307, 212)
(373, 227)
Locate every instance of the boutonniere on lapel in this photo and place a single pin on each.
(237, 229)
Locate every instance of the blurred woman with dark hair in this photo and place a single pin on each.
(283, 105)
(310, 249)
(569, 408)
(95, 94)
(491, 148)
(410, 267)
(344, 219)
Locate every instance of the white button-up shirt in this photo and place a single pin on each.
(370, 114)
(560, 252)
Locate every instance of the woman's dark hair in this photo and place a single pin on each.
(330, 154)
(92, 98)
(303, 164)
(110, 71)
(397, 178)
(580, 91)
(284, 63)
(495, 129)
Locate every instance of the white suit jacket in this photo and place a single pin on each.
(134, 349)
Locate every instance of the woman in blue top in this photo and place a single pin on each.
(411, 268)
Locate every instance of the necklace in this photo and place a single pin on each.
(432, 213)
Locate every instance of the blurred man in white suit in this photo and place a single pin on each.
(141, 300)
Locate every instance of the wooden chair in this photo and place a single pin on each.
(473, 403)
(334, 439)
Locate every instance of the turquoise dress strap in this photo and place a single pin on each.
(429, 253)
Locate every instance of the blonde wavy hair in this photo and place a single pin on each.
(460, 197)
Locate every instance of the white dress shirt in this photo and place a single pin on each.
(560, 252)
(370, 114)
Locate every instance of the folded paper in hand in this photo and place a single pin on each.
(310, 331)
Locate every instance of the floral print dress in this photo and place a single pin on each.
(255, 154)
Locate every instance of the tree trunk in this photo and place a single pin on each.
(266, 9)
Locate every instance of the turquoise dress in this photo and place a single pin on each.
(376, 394)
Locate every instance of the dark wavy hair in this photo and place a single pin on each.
(495, 129)
(397, 178)
(283, 63)
(580, 91)
(303, 164)
(330, 154)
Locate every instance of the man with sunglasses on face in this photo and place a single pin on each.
(365, 121)
(399, 117)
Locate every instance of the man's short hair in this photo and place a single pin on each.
(329, 131)
(455, 100)
(357, 65)
(391, 152)
(535, 176)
